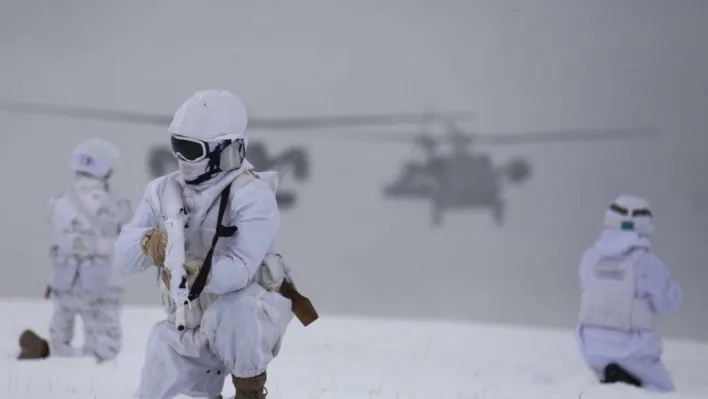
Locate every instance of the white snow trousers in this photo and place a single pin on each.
(100, 314)
(240, 334)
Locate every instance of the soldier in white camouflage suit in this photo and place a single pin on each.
(244, 296)
(85, 221)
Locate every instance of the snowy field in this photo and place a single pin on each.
(339, 358)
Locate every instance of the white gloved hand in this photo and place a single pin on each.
(271, 272)
(192, 267)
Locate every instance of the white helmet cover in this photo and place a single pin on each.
(96, 157)
(211, 114)
(630, 213)
(216, 120)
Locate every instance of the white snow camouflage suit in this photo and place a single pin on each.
(236, 326)
(85, 222)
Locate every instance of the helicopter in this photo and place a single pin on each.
(458, 180)
(291, 163)
(463, 179)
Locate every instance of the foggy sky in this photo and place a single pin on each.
(518, 65)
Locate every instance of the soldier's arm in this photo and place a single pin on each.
(125, 208)
(254, 211)
(127, 253)
(53, 248)
(50, 210)
(655, 283)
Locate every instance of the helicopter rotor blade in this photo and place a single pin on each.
(561, 136)
(428, 116)
(314, 123)
(134, 117)
(549, 137)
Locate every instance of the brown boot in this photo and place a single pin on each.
(250, 388)
(32, 346)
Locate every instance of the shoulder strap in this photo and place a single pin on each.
(221, 231)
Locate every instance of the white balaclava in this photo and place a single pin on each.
(630, 213)
(95, 158)
(208, 136)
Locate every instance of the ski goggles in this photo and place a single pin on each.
(194, 150)
(625, 212)
(188, 149)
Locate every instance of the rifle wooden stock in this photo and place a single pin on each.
(301, 305)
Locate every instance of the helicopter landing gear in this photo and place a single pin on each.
(498, 212)
(436, 215)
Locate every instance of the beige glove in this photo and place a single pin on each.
(153, 244)
(192, 268)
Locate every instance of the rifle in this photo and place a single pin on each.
(176, 220)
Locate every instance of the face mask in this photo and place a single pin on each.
(194, 158)
(192, 170)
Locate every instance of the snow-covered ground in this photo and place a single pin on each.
(346, 358)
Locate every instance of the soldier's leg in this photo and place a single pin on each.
(102, 326)
(650, 371)
(61, 327)
(245, 329)
(88, 311)
(168, 370)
